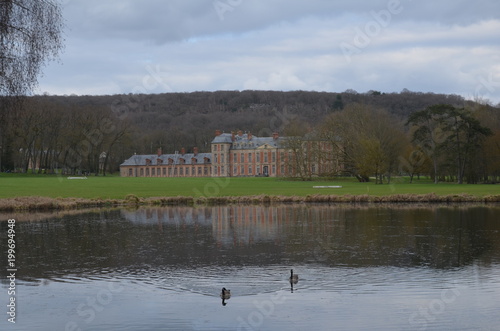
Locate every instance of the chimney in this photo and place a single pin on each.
(249, 135)
(183, 151)
(159, 151)
(218, 133)
(233, 136)
(195, 151)
(275, 135)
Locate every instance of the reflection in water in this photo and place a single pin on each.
(106, 241)
(366, 260)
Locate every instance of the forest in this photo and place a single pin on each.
(373, 133)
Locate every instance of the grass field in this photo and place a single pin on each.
(112, 187)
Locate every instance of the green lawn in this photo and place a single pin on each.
(112, 187)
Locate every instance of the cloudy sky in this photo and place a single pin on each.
(155, 46)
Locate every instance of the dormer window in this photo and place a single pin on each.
(194, 160)
(148, 162)
(159, 161)
(182, 161)
(170, 161)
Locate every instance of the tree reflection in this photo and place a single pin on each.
(436, 236)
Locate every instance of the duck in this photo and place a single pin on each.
(294, 278)
(225, 294)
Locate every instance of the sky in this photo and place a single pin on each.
(157, 46)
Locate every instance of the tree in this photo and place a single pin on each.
(30, 35)
(368, 141)
(465, 137)
(309, 154)
(428, 134)
(414, 162)
(445, 132)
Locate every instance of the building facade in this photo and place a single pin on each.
(242, 154)
(168, 165)
(235, 154)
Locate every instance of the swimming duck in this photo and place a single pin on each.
(294, 278)
(225, 294)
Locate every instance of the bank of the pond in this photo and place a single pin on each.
(47, 203)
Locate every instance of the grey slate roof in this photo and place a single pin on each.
(242, 142)
(137, 160)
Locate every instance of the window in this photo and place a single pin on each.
(274, 156)
(199, 171)
(153, 172)
(249, 170)
(193, 171)
(258, 157)
(175, 171)
(249, 157)
(181, 171)
(242, 170)
(142, 172)
(130, 172)
(265, 158)
(234, 157)
(147, 172)
(164, 171)
(205, 171)
(273, 169)
(242, 158)
(170, 172)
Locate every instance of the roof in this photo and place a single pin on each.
(242, 142)
(137, 160)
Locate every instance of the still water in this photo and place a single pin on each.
(364, 267)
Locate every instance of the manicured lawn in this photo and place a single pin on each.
(111, 187)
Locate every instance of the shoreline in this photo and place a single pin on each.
(36, 203)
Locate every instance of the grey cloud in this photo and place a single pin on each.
(162, 21)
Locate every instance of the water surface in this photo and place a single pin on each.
(364, 267)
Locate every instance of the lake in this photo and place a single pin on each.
(360, 267)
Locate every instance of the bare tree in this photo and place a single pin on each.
(30, 35)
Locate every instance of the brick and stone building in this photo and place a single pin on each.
(180, 164)
(235, 154)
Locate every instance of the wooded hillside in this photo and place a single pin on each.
(176, 120)
(74, 131)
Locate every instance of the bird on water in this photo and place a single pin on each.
(224, 295)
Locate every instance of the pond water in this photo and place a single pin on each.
(362, 267)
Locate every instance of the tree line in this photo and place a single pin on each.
(373, 134)
(446, 142)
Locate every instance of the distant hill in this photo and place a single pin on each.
(175, 120)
